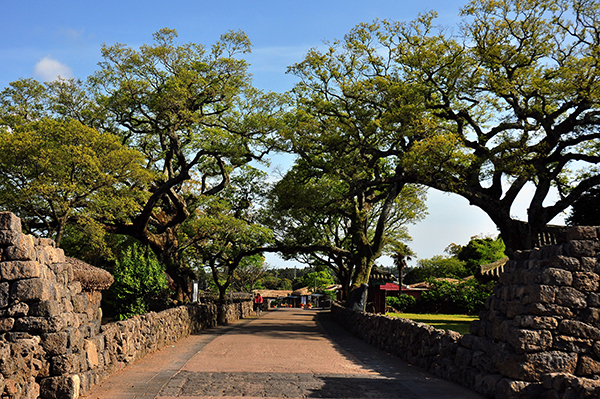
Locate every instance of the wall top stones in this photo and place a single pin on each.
(22, 257)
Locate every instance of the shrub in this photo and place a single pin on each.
(402, 303)
(140, 280)
(464, 297)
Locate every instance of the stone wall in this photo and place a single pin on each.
(539, 336)
(235, 311)
(52, 343)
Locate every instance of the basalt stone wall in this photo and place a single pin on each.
(239, 309)
(52, 343)
(539, 336)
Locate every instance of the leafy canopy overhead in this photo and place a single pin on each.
(509, 101)
(56, 173)
(346, 198)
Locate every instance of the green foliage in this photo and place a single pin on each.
(59, 173)
(463, 297)
(320, 280)
(140, 281)
(481, 251)
(463, 261)
(346, 200)
(401, 303)
(508, 105)
(438, 266)
(250, 273)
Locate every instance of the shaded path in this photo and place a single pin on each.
(289, 353)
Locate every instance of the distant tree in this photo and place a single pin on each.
(481, 251)
(285, 284)
(400, 255)
(289, 272)
(250, 273)
(225, 232)
(319, 280)
(438, 266)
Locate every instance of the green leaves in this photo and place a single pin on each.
(225, 233)
(139, 280)
(59, 172)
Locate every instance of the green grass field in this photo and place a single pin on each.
(454, 322)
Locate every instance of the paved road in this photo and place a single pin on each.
(286, 353)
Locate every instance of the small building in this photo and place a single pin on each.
(300, 297)
(269, 296)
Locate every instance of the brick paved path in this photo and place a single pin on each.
(287, 353)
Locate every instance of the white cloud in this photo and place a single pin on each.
(72, 34)
(49, 69)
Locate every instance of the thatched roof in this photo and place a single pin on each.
(91, 278)
(301, 291)
(273, 293)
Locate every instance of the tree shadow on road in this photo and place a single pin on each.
(396, 375)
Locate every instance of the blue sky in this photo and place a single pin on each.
(50, 38)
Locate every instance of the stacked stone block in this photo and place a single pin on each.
(539, 336)
(543, 323)
(40, 327)
(239, 309)
(52, 343)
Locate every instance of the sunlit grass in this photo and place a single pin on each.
(454, 322)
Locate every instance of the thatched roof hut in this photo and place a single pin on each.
(301, 291)
(91, 278)
(273, 293)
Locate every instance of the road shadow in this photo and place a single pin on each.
(398, 376)
(302, 325)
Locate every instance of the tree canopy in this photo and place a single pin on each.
(190, 111)
(56, 173)
(515, 97)
(508, 102)
(194, 115)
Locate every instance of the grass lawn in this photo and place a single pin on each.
(455, 322)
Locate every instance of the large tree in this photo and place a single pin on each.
(190, 111)
(57, 173)
(509, 103)
(319, 222)
(194, 115)
(517, 99)
(351, 131)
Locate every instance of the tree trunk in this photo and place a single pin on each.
(166, 248)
